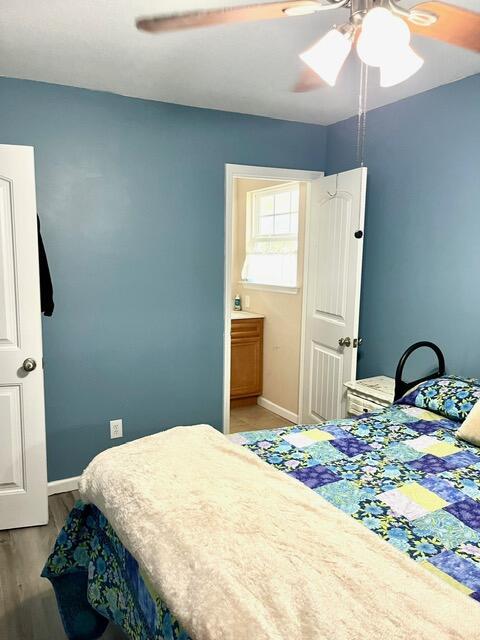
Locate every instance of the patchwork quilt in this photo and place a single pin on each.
(400, 472)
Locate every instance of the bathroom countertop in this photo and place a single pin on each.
(245, 315)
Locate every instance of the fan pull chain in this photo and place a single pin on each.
(362, 114)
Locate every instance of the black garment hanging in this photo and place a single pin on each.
(46, 287)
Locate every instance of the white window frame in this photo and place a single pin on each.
(254, 219)
(252, 235)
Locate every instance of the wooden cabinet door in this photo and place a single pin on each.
(246, 371)
(247, 358)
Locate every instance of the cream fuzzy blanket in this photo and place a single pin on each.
(240, 551)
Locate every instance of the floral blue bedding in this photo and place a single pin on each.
(401, 472)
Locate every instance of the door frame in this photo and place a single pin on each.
(233, 171)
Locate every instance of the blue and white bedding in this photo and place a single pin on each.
(400, 472)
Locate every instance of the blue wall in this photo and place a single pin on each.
(131, 193)
(131, 198)
(421, 270)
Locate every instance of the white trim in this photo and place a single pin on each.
(274, 288)
(61, 486)
(275, 408)
(260, 173)
(306, 247)
(286, 186)
(270, 173)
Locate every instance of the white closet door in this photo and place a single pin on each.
(333, 281)
(23, 470)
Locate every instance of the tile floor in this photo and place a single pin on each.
(253, 418)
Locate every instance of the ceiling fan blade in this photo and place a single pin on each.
(455, 25)
(208, 18)
(308, 81)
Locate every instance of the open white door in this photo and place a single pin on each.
(333, 270)
(23, 469)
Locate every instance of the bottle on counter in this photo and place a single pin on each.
(237, 303)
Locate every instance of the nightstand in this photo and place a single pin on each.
(370, 394)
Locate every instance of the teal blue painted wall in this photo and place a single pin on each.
(131, 198)
(421, 269)
(130, 193)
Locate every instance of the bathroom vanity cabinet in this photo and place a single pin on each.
(247, 358)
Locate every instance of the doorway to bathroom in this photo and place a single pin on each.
(293, 264)
(265, 295)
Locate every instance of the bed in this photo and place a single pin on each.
(400, 472)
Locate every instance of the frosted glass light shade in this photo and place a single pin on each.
(382, 34)
(400, 67)
(300, 10)
(328, 55)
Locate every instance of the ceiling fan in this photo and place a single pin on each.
(379, 29)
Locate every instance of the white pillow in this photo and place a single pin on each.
(470, 429)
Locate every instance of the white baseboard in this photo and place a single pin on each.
(61, 486)
(275, 408)
(71, 484)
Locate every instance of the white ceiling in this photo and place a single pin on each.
(248, 68)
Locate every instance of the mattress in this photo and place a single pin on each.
(400, 472)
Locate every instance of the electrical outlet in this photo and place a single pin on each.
(247, 302)
(116, 428)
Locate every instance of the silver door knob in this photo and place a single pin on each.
(345, 342)
(29, 364)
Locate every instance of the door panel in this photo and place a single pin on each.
(23, 471)
(11, 437)
(332, 298)
(8, 305)
(326, 375)
(331, 292)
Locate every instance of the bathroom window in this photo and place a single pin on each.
(271, 253)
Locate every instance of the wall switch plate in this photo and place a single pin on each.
(116, 428)
(247, 302)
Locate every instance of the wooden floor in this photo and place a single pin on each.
(253, 417)
(28, 610)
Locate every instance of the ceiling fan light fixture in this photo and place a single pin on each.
(381, 34)
(328, 55)
(400, 67)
